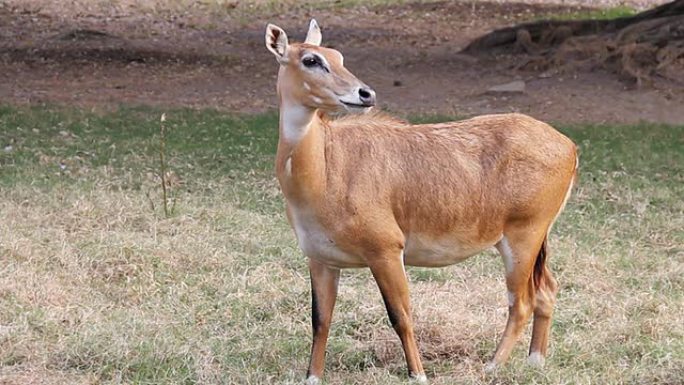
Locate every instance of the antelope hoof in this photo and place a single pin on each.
(491, 367)
(313, 380)
(536, 359)
(420, 379)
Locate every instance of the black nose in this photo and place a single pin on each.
(367, 96)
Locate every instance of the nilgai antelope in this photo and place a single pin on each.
(367, 190)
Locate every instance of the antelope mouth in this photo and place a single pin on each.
(357, 105)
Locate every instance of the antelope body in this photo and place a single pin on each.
(372, 191)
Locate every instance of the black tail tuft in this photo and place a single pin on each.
(540, 264)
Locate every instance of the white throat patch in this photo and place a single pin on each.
(295, 120)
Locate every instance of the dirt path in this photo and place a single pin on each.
(147, 53)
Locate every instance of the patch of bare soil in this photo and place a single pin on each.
(125, 53)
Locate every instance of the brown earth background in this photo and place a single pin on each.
(176, 53)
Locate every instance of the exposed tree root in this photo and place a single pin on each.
(640, 47)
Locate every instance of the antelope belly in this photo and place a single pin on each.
(427, 251)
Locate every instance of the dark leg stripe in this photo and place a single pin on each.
(315, 312)
(393, 317)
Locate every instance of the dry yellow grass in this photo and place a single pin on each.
(97, 288)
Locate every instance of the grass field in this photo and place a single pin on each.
(97, 286)
(596, 14)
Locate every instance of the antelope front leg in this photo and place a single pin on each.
(391, 278)
(324, 282)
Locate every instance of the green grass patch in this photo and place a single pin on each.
(39, 140)
(610, 13)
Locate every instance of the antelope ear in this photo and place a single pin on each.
(313, 37)
(276, 42)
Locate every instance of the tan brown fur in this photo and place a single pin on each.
(479, 173)
(374, 191)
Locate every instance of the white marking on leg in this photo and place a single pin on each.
(490, 367)
(420, 379)
(288, 167)
(511, 299)
(403, 264)
(307, 86)
(507, 254)
(312, 380)
(536, 359)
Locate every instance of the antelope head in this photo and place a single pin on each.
(313, 76)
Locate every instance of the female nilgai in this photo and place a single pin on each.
(367, 190)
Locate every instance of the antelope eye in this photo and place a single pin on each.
(311, 61)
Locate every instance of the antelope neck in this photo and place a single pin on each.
(301, 153)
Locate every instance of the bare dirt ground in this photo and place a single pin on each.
(197, 54)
